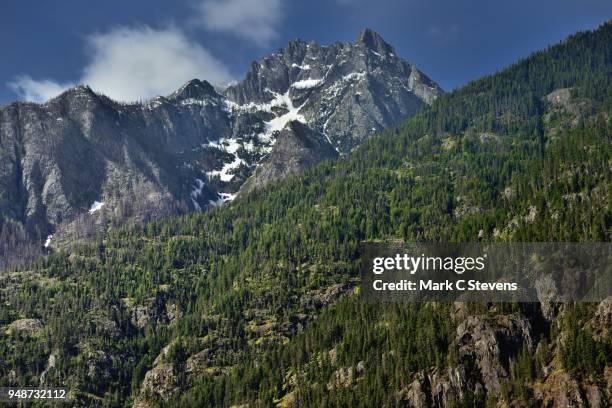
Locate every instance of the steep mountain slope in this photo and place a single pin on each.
(254, 302)
(73, 165)
(297, 148)
(80, 148)
(345, 91)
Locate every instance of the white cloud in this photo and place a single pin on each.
(138, 63)
(135, 63)
(36, 90)
(253, 20)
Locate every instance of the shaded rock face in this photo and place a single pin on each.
(161, 381)
(416, 395)
(485, 347)
(492, 343)
(562, 391)
(439, 388)
(297, 148)
(81, 157)
(70, 166)
(346, 376)
(603, 315)
(601, 323)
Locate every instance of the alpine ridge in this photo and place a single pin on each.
(81, 161)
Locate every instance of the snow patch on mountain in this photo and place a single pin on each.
(223, 198)
(227, 144)
(304, 67)
(278, 123)
(227, 196)
(354, 76)
(196, 192)
(224, 174)
(96, 206)
(198, 102)
(307, 83)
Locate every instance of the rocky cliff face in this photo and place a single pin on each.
(80, 161)
(345, 91)
(488, 347)
(297, 147)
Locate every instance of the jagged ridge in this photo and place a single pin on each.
(195, 147)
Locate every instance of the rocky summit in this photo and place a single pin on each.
(81, 161)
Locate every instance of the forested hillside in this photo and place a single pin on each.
(257, 302)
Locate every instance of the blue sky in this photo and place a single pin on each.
(132, 50)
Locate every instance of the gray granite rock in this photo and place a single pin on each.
(81, 161)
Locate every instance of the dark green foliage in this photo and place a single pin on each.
(582, 355)
(395, 341)
(473, 166)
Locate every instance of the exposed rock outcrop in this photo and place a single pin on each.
(80, 161)
(25, 327)
(297, 147)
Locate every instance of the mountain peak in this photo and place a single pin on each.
(78, 89)
(373, 40)
(77, 92)
(194, 89)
